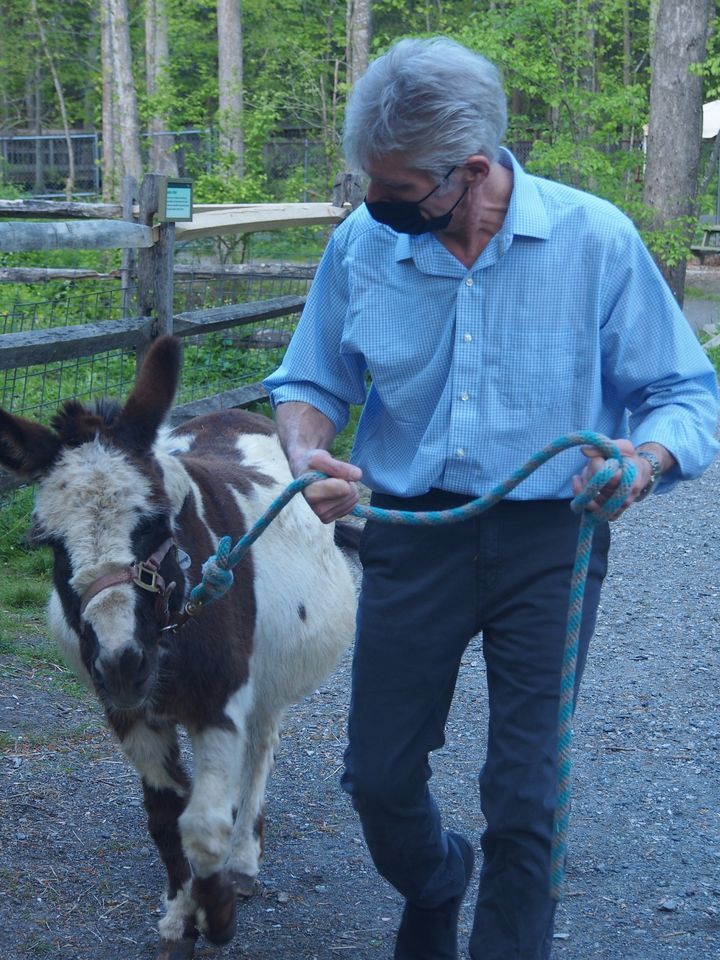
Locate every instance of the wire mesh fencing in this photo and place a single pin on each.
(213, 362)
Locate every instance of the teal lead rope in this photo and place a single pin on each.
(217, 578)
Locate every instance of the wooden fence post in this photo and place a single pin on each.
(348, 189)
(127, 267)
(155, 265)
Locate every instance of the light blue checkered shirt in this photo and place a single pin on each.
(563, 323)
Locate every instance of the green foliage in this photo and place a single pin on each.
(668, 241)
(24, 575)
(343, 444)
(714, 355)
(577, 75)
(15, 513)
(7, 190)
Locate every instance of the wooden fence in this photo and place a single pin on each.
(148, 255)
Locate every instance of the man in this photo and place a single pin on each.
(494, 312)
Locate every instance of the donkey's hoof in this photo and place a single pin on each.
(216, 899)
(177, 949)
(221, 923)
(244, 885)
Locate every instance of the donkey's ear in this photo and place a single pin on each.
(26, 448)
(152, 396)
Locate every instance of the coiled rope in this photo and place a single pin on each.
(217, 578)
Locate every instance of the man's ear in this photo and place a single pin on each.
(479, 166)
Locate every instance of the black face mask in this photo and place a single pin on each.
(404, 216)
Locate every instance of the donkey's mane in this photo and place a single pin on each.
(76, 424)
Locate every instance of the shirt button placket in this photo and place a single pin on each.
(463, 368)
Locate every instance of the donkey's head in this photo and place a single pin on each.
(102, 507)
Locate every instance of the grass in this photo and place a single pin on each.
(25, 576)
(23, 594)
(697, 293)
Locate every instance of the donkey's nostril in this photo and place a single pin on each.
(124, 677)
(143, 667)
(133, 665)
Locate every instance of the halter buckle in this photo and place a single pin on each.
(146, 577)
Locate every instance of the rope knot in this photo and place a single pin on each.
(614, 464)
(217, 577)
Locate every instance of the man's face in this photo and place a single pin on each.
(391, 180)
(409, 200)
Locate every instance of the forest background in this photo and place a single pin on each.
(584, 79)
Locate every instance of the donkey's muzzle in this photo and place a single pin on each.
(125, 680)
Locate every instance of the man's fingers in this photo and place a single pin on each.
(332, 489)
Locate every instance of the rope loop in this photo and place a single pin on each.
(217, 576)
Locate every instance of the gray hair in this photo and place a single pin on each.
(434, 101)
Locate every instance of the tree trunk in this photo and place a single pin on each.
(674, 138)
(70, 182)
(358, 38)
(230, 83)
(110, 159)
(127, 115)
(157, 61)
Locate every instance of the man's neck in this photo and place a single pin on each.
(488, 203)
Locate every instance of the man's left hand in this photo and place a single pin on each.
(596, 462)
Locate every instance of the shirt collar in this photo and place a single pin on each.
(526, 215)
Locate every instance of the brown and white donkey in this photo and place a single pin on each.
(126, 504)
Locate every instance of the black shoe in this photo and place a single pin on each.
(431, 934)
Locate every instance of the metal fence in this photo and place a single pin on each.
(37, 164)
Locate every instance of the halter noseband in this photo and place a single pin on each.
(144, 574)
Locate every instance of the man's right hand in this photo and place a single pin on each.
(335, 497)
(306, 435)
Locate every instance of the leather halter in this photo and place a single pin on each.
(144, 574)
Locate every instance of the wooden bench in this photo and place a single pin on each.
(709, 246)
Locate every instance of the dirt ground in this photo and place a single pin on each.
(702, 302)
(80, 880)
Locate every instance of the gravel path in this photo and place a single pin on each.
(79, 878)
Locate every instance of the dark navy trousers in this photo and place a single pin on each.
(426, 592)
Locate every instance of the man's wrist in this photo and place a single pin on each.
(656, 472)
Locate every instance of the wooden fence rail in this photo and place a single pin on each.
(76, 235)
(34, 347)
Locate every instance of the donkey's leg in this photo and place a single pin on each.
(155, 754)
(248, 834)
(206, 824)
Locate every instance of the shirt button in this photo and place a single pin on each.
(468, 281)
(460, 453)
(464, 396)
(467, 337)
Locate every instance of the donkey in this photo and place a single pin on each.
(130, 509)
